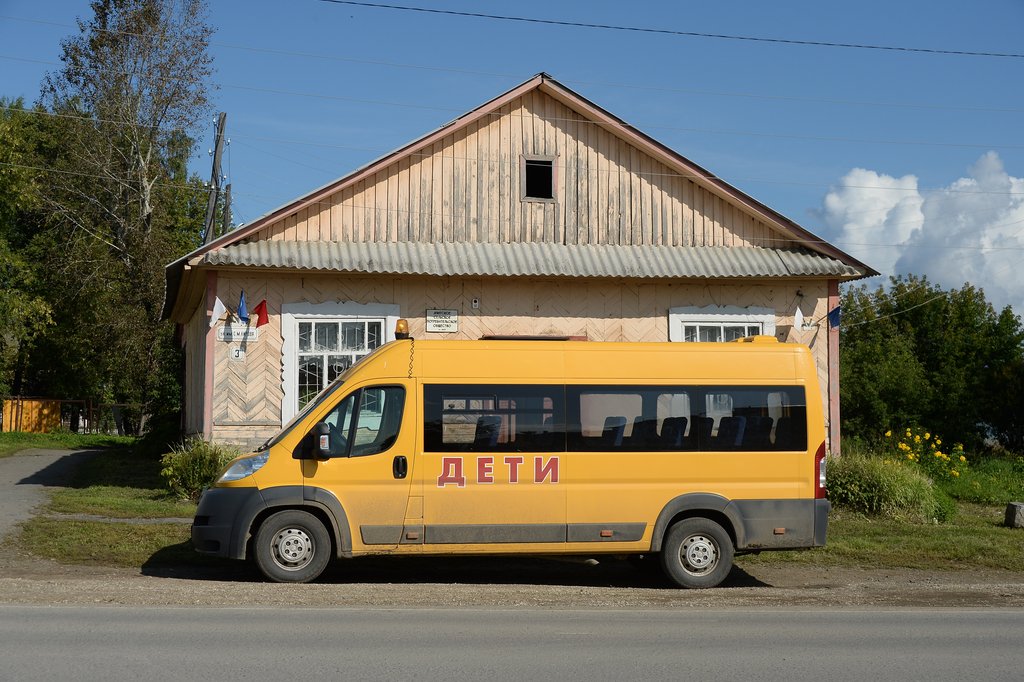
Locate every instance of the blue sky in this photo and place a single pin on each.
(913, 162)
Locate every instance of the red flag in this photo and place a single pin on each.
(260, 311)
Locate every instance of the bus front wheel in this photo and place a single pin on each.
(697, 553)
(292, 547)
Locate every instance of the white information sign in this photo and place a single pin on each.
(237, 333)
(442, 320)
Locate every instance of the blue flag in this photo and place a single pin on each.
(833, 317)
(243, 312)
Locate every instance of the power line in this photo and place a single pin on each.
(493, 74)
(688, 34)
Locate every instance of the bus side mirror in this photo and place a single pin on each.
(316, 444)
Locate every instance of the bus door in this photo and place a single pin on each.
(372, 445)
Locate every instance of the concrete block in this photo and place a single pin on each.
(1015, 515)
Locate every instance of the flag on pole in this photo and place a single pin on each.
(798, 319)
(260, 311)
(833, 317)
(243, 312)
(218, 311)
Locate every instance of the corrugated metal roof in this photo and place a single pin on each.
(532, 259)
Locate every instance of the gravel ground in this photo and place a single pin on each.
(465, 582)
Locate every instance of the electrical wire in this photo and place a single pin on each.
(687, 34)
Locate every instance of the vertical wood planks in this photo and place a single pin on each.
(467, 186)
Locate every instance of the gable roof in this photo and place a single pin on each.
(846, 267)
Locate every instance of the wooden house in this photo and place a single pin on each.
(537, 213)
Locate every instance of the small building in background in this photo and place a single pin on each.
(537, 213)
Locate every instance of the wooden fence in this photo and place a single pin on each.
(43, 415)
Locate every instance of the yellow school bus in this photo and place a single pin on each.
(688, 452)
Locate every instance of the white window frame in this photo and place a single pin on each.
(719, 315)
(346, 311)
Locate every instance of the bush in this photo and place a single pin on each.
(881, 487)
(925, 450)
(194, 465)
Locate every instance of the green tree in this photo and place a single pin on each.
(24, 314)
(118, 203)
(913, 353)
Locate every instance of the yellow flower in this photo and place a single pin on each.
(955, 472)
(962, 458)
(917, 439)
(888, 434)
(938, 442)
(910, 457)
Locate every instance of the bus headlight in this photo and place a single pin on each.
(246, 466)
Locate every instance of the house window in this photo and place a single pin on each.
(717, 331)
(322, 340)
(538, 177)
(328, 348)
(719, 323)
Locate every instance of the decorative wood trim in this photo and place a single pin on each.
(833, 371)
(208, 347)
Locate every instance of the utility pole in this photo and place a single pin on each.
(225, 225)
(211, 204)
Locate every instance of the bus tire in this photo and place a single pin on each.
(292, 547)
(697, 553)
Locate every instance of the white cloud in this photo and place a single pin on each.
(970, 231)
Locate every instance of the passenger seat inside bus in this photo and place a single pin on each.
(614, 429)
(487, 429)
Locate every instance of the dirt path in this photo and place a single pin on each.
(462, 582)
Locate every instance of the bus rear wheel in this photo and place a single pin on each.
(697, 553)
(292, 547)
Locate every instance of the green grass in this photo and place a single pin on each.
(13, 442)
(107, 544)
(119, 502)
(993, 480)
(119, 484)
(974, 538)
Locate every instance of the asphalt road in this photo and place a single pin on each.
(105, 643)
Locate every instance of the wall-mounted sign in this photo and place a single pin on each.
(237, 355)
(238, 333)
(442, 320)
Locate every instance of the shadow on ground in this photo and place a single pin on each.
(175, 562)
(62, 471)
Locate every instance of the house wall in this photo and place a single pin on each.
(194, 337)
(467, 187)
(247, 395)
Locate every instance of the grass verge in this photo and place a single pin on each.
(119, 484)
(975, 538)
(11, 443)
(108, 544)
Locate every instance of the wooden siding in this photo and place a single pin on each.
(194, 336)
(248, 395)
(468, 187)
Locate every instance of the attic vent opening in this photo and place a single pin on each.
(539, 178)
